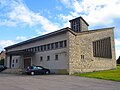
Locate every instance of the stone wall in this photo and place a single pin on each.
(81, 52)
(83, 25)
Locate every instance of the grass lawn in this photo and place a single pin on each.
(113, 75)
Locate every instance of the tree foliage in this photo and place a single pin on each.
(2, 61)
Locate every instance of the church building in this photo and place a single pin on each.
(66, 51)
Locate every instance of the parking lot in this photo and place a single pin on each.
(54, 82)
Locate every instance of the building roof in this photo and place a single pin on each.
(55, 33)
(80, 18)
(39, 38)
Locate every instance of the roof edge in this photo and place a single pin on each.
(96, 30)
(80, 18)
(37, 38)
(102, 28)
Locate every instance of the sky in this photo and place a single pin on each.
(21, 20)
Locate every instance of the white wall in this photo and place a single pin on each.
(16, 62)
(61, 63)
(55, 38)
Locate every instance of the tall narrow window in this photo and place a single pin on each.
(82, 56)
(52, 45)
(56, 57)
(12, 65)
(65, 43)
(41, 48)
(41, 59)
(56, 45)
(13, 60)
(48, 58)
(38, 49)
(48, 46)
(44, 47)
(16, 60)
(61, 44)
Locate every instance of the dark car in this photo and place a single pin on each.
(2, 68)
(35, 70)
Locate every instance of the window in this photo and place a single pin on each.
(34, 49)
(56, 44)
(44, 47)
(48, 46)
(41, 48)
(37, 49)
(65, 43)
(102, 48)
(28, 49)
(56, 57)
(75, 25)
(61, 44)
(12, 65)
(41, 59)
(82, 56)
(39, 68)
(16, 60)
(52, 45)
(13, 60)
(48, 58)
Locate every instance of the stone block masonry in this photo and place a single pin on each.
(81, 57)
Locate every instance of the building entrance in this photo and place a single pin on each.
(27, 62)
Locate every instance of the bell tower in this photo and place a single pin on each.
(78, 24)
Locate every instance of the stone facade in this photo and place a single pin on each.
(80, 45)
(83, 25)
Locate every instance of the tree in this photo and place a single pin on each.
(2, 61)
(118, 60)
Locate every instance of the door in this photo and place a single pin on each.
(27, 62)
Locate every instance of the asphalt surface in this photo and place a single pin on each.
(54, 82)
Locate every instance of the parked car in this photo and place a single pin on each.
(35, 70)
(2, 68)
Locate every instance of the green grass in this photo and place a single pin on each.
(113, 75)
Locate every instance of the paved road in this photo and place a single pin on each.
(54, 82)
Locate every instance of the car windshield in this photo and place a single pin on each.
(35, 67)
(39, 67)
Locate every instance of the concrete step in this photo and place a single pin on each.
(13, 71)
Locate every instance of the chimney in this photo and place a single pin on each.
(79, 24)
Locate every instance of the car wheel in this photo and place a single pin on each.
(47, 72)
(32, 73)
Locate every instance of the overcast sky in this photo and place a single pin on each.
(24, 19)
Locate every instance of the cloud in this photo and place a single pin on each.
(46, 24)
(21, 38)
(5, 43)
(58, 7)
(117, 42)
(117, 47)
(67, 3)
(16, 13)
(96, 12)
